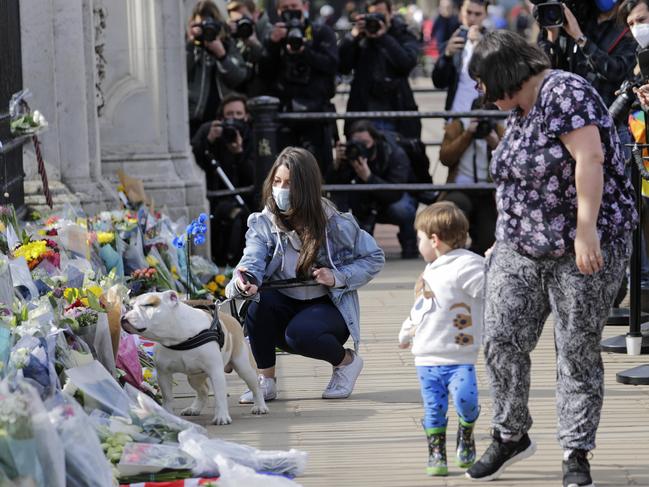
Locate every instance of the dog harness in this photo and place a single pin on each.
(212, 334)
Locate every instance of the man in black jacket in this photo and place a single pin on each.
(451, 70)
(227, 144)
(299, 65)
(381, 61)
(372, 157)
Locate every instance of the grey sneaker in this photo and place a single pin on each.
(268, 387)
(343, 378)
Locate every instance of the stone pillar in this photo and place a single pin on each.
(143, 122)
(58, 67)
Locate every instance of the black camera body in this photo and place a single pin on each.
(295, 28)
(484, 128)
(354, 150)
(620, 107)
(232, 126)
(549, 13)
(210, 30)
(373, 22)
(245, 28)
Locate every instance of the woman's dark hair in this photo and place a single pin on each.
(502, 61)
(625, 9)
(204, 9)
(365, 126)
(306, 214)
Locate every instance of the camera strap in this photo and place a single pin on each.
(617, 41)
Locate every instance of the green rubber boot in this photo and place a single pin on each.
(465, 445)
(437, 465)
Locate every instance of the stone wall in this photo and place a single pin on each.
(109, 75)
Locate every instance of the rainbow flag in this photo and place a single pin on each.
(638, 129)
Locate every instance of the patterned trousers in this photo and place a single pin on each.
(520, 293)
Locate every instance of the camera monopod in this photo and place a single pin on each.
(224, 177)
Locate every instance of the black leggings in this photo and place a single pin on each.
(313, 328)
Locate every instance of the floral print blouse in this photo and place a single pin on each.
(535, 174)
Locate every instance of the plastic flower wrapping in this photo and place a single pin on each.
(79, 399)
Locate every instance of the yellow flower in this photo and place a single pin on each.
(31, 251)
(70, 294)
(120, 188)
(174, 272)
(85, 302)
(96, 290)
(147, 374)
(105, 237)
(220, 279)
(2, 228)
(211, 286)
(152, 261)
(40, 232)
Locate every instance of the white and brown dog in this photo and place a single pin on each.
(161, 317)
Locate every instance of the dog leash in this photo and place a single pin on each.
(212, 334)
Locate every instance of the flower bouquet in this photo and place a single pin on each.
(18, 451)
(38, 251)
(85, 463)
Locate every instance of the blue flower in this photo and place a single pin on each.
(178, 242)
(199, 240)
(202, 218)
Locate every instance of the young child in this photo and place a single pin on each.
(444, 328)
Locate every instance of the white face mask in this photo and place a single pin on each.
(641, 34)
(282, 198)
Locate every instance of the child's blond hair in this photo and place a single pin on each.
(445, 220)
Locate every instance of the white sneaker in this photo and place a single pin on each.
(343, 378)
(268, 387)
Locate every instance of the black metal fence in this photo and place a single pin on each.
(268, 119)
(11, 164)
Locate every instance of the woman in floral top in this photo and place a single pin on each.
(565, 215)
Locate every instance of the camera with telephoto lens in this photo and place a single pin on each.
(245, 28)
(484, 128)
(373, 22)
(232, 126)
(549, 13)
(295, 28)
(620, 107)
(354, 150)
(210, 30)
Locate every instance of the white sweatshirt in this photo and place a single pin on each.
(446, 319)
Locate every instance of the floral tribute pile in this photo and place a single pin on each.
(79, 400)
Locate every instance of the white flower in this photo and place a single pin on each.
(20, 358)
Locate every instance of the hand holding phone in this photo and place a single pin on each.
(246, 281)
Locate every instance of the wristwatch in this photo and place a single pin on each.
(581, 40)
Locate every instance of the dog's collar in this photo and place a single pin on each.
(213, 334)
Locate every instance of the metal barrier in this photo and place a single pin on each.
(346, 91)
(266, 116)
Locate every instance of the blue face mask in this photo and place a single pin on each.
(282, 198)
(605, 5)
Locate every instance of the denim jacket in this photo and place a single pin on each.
(351, 253)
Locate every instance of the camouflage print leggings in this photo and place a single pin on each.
(519, 296)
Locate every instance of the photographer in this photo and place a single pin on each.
(466, 150)
(227, 143)
(451, 69)
(590, 44)
(299, 66)
(214, 65)
(371, 157)
(635, 14)
(381, 52)
(249, 27)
